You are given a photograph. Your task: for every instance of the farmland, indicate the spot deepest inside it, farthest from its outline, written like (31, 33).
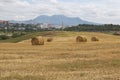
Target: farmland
(62, 59)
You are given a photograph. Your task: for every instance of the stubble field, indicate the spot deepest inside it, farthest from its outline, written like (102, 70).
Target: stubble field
(62, 59)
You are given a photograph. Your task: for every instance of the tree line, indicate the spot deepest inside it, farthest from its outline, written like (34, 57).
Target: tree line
(94, 28)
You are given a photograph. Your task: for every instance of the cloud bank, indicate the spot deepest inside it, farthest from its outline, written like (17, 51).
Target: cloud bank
(100, 11)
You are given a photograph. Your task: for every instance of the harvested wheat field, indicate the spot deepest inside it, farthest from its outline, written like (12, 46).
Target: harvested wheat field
(62, 59)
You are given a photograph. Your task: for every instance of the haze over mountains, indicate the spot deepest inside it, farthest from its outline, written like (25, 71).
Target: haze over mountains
(55, 19)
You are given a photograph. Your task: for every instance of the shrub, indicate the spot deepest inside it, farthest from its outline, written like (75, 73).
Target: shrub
(17, 35)
(23, 33)
(4, 37)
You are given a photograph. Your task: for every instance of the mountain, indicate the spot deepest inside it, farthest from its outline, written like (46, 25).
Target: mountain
(56, 19)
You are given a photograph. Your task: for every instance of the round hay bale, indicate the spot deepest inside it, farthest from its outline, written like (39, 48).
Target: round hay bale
(41, 41)
(94, 39)
(50, 39)
(35, 41)
(81, 39)
(84, 39)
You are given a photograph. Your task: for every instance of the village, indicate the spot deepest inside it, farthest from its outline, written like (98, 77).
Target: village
(7, 25)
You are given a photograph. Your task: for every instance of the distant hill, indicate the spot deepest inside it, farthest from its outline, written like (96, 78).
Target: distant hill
(56, 19)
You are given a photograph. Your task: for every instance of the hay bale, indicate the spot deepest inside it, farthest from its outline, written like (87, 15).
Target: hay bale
(41, 41)
(94, 39)
(84, 39)
(36, 41)
(81, 39)
(50, 39)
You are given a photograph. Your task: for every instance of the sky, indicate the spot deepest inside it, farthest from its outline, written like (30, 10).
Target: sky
(100, 11)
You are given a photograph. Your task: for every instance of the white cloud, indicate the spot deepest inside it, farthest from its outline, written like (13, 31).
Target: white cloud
(104, 11)
(54, 1)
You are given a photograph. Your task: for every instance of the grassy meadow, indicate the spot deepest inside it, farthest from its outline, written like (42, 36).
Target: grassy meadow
(61, 59)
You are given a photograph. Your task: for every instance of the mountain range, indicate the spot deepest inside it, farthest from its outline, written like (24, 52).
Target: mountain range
(55, 19)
